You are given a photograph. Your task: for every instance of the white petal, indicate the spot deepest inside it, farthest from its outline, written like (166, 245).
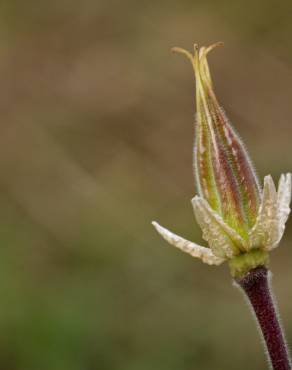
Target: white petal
(266, 232)
(223, 240)
(284, 199)
(195, 250)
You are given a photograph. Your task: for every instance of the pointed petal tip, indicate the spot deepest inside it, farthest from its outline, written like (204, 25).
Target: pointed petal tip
(269, 176)
(165, 233)
(288, 177)
(285, 177)
(158, 228)
(285, 181)
(269, 186)
(268, 179)
(196, 199)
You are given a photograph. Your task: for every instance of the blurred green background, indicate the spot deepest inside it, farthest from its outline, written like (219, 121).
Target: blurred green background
(96, 141)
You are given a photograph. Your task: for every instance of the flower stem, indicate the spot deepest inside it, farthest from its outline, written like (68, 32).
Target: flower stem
(256, 287)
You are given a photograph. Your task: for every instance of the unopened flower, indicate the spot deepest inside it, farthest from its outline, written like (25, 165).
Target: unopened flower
(240, 220)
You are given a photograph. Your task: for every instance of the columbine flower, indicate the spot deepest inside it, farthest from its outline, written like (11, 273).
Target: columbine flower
(240, 220)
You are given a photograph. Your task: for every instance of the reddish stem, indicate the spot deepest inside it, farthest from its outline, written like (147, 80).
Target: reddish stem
(255, 285)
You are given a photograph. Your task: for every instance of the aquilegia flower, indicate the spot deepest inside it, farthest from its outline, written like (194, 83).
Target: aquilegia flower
(240, 220)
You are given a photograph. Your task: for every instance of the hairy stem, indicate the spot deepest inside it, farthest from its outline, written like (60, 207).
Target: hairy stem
(255, 285)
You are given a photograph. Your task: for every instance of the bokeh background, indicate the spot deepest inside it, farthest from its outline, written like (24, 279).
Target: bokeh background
(96, 141)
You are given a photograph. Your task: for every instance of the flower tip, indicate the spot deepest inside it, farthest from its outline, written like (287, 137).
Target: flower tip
(286, 178)
(174, 49)
(216, 44)
(183, 51)
(157, 226)
(179, 50)
(195, 200)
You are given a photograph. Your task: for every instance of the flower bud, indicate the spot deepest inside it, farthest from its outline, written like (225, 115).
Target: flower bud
(240, 221)
(224, 174)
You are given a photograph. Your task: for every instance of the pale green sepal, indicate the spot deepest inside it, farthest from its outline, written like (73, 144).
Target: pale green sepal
(284, 199)
(266, 231)
(243, 263)
(222, 239)
(195, 250)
